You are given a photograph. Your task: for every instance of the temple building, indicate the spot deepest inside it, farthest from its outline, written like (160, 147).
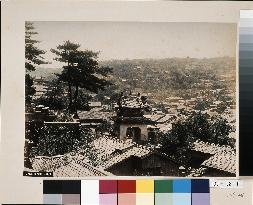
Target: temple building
(130, 121)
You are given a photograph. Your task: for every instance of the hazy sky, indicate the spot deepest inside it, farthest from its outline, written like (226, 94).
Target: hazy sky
(130, 40)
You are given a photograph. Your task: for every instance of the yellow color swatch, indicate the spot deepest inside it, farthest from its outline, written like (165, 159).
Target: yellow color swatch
(145, 199)
(144, 186)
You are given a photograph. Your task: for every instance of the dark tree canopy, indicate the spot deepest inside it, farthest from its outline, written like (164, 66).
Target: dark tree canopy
(54, 96)
(81, 71)
(29, 89)
(197, 126)
(33, 58)
(33, 54)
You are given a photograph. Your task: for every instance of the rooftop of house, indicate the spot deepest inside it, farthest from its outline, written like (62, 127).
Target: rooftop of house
(132, 101)
(68, 165)
(108, 151)
(79, 168)
(154, 117)
(212, 148)
(106, 145)
(225, 162)
(223, 157)
(112, 151)
(133, 151)
(135, 120)
(94, 114)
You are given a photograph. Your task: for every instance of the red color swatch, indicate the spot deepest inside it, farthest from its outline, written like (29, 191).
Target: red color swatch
(127, 199)
(126, 186)
(107, 186)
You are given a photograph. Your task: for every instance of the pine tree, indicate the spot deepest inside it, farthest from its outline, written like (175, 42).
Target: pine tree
(81, 71)
(33, 57)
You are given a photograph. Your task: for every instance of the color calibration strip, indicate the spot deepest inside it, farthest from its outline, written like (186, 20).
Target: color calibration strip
(61, 192)
(245, 90)
(127, 192)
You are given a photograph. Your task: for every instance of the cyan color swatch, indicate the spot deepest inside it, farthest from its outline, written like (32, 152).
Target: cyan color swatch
(182, 186)
(181, 199)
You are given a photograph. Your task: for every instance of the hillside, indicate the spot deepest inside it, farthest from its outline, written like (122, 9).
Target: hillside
(164, 77)
(47, 73)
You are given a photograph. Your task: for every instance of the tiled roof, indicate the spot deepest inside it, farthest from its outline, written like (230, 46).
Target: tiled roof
(160, 118)
(44, 163)
(223, 161)
(208, 148)
(113, 151)
(166, 118)
(132, 104)
(139, 120)
(224, 157)
(134, 151)
(94, 114)
(107, 145)
(78, 168)
(154, 117)
(67, 166)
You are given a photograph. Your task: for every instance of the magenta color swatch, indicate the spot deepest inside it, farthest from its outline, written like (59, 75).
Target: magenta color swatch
(108, 199)
(108, 186)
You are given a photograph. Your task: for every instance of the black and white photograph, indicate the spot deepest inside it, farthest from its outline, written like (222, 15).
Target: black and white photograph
(130, 98)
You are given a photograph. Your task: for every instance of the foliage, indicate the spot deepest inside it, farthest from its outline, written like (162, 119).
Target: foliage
(33, 57)
(29, 89)
(181, 79)
(58, 139)
(220, 130)
(201, 105)
(200, 126)
(81, 71)
(54, 96)
(109, 95)
(197, 126)
(221, 107)
(83, 100)
(64, 116)
(105, 126)
(56, 99)
(33, 130)
(33, 54)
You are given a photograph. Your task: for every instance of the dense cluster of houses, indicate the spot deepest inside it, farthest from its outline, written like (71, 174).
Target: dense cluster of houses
(130, 146)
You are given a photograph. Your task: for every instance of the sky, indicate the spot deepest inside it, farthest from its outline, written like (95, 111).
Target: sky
(139, 40)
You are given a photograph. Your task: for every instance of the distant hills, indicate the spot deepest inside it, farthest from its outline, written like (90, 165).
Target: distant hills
(160, 75)
(47, 73)
(219, 65)
(164, 77)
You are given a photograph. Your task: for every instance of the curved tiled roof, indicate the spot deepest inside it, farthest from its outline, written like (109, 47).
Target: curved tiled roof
(223, 157)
